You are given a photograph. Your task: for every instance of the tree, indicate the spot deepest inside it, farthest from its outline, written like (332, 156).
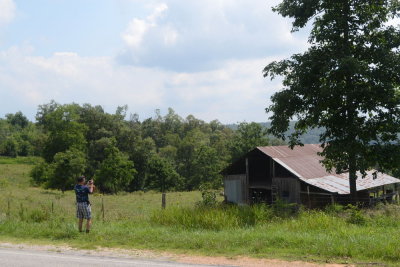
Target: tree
(140, 155)
(161, 175)
(9, 147)
(207, 165)
(17, 119)
(64, 131)
(67, 166)
(347, 83)
(40, 173)
(247, 137)
(116, 172)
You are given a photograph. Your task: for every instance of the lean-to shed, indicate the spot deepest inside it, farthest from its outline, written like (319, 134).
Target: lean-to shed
(266, 174)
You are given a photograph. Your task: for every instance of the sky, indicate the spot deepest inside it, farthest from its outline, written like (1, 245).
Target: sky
(203, 58)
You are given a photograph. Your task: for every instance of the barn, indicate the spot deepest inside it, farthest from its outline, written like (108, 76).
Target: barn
(266, 174)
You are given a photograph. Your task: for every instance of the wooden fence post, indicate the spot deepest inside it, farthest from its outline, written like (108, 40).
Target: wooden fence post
(8, 208)
(102, 208)
(163, 201)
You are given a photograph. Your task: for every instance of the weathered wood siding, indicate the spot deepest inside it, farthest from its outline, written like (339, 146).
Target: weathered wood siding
(288, 188)
(235, 188)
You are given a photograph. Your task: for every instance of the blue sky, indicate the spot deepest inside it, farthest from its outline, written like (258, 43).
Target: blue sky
(199, 57)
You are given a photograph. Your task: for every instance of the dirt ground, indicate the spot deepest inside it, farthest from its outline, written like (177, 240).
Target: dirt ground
(164, 256)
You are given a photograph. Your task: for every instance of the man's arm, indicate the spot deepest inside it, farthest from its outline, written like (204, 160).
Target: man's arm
(91, 186)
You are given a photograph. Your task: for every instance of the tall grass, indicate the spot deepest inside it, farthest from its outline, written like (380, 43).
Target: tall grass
(215, 218)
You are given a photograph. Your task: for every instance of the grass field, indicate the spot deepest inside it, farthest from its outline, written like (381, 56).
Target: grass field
(137, 221)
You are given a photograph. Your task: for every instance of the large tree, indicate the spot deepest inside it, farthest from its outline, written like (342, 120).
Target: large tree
(347, 82)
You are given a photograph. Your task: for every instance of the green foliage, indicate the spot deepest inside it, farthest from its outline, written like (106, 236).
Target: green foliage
(9, 147)
(208, 195)
(115, 172)
(18, 119)
(162, 176)
(40, 173)
(247, 137)
(64, 131)
(356, 215)
(346, 83)
(67, 166)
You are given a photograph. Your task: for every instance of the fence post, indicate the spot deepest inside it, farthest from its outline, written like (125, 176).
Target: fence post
(52, 206)
(163, 200)
(8, 207)
(102, 208)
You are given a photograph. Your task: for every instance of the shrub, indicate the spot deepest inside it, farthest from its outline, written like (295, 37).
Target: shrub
(209, 196)
(356, 215)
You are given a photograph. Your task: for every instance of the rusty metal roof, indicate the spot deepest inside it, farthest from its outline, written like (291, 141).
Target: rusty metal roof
(304, 162)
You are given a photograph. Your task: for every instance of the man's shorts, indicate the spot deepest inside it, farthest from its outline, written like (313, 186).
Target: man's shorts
(83, 210)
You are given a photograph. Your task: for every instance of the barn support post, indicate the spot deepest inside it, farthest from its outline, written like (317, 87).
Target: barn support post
(246, 195)
(332, 199)
(384, 194)
(308, 195)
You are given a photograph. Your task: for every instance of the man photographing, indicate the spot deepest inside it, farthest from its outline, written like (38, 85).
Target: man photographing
(83, 208)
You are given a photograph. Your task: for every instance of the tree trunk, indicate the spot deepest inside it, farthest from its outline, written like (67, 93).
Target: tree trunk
(353, 178)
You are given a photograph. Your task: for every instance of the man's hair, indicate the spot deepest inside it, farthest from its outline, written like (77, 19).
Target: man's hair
(80, 179)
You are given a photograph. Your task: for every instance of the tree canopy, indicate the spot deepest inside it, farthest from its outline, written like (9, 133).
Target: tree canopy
(346, 83)
(165, 152)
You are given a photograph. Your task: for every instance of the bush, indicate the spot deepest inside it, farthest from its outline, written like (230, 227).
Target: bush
(39, 174)
(209, 196)
(356, 215)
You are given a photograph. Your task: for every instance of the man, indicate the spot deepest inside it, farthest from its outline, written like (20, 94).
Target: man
(83, 208)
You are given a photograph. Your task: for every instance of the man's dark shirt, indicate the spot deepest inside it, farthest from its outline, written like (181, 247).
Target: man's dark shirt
(82, 193)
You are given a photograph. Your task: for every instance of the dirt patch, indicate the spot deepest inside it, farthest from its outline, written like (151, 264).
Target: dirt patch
(250, 262)
(166, 256)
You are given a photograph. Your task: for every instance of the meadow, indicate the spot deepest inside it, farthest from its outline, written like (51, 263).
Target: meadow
(136, 220)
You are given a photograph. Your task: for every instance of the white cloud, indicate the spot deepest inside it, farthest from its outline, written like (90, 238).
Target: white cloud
(7, 11)
(202, 35)
(137, 28)
(235, 92)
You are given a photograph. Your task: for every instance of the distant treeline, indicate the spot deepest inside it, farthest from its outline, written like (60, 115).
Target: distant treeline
(311, 137)
(123, 153)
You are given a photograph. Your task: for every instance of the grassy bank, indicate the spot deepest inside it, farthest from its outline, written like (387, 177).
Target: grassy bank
(136, 221)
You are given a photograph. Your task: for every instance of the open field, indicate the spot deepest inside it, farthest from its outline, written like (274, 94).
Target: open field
(136, 221)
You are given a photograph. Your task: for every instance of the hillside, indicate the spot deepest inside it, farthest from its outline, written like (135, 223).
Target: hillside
(311, 137)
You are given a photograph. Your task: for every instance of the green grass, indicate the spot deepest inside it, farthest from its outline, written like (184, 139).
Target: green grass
(137, 221)
(19, 160)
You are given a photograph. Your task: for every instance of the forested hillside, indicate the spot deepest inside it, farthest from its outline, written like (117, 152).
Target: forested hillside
(311, 137)
(164, 152)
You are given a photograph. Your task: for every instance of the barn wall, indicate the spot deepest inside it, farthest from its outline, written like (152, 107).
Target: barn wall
(288, 188)
(234, 188)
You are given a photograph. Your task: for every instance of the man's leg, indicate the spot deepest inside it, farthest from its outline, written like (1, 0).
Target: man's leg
(80, 224)
(88, 224)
